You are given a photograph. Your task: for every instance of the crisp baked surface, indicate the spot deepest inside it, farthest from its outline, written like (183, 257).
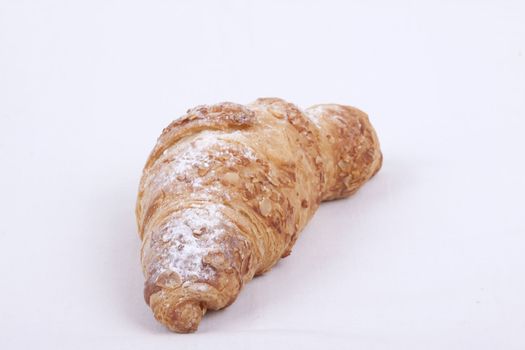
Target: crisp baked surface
(227, 190)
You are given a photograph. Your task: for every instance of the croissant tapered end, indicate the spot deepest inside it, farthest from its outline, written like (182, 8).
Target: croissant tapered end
(178, 315)
(350, 145)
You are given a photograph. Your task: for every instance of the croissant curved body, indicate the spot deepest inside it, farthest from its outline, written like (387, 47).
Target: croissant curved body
(227, 190)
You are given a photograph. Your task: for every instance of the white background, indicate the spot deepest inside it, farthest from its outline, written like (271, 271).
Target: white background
(429, 255)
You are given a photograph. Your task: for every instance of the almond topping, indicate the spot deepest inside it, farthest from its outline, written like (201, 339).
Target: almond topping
(216, 260)
(348, 181)
(343, 165)
(275, 113)
(169, 280)
(199, 231)
(230, 178)
(265, 206)
(202, 171)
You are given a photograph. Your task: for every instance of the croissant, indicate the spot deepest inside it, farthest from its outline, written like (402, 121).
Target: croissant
(228, 188)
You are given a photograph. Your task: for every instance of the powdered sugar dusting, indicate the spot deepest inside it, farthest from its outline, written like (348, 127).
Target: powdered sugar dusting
(313, 113)
(189, 168)
(186, 239)
(185, 160)
(190, 249)
(188, 160)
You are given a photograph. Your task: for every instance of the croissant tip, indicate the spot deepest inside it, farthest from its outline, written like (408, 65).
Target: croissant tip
(180, 317)
(185, 317)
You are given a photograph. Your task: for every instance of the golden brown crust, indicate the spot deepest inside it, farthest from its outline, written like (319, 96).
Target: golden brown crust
(227, 190)
(350, 145)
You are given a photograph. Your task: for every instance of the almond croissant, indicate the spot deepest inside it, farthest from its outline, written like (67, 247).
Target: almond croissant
(227, 190)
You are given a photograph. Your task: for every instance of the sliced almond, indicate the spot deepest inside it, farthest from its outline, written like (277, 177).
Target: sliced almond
(343, 165)
(348, 181)
(230, 178)
(275, 113)
(199, 232)
(202, 171)
(169, 279)
(250, 187)
(217, 260)
(265, 206)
